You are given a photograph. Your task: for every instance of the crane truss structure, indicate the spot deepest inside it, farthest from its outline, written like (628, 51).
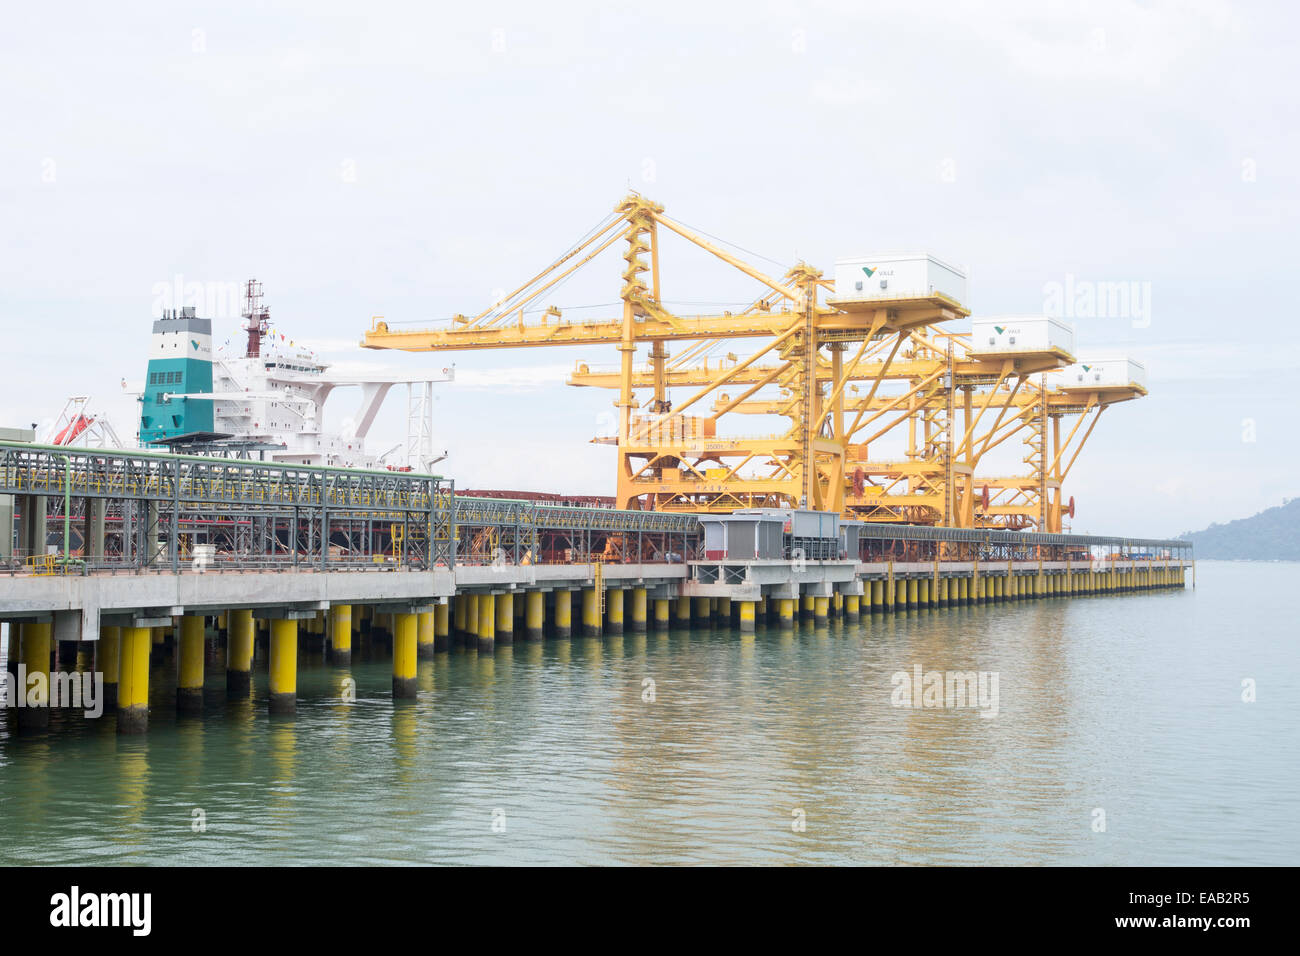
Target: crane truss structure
(843, 375)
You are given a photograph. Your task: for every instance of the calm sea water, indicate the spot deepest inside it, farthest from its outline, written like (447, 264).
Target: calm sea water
(550, 753)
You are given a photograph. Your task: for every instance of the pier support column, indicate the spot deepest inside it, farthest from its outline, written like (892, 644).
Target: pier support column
(878, 596)
(913, 594)
(461, 616)
(284, 666)
(590, 613)
(108, 653)
(746, 617)
(821, 607)
(807, 606)
(133, 680)
(785, 612)
(703, 612)
(239, 653)
(406, 636)
(534, 615)
(852, 606)
(923, 589)
(441, 627)
(189, 685)
(638, 610)
(473, 606)
(424, 634)
(486, 623)
(35, 656)
(563, 613)
(614, 611)
(341, 634)
(505, 622)
(683, 612)
(724, 610)
(663, 613)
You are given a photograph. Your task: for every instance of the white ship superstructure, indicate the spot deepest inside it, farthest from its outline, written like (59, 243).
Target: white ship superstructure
(270, 395)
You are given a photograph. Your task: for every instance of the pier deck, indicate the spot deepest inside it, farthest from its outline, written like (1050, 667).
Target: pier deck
(178, 551)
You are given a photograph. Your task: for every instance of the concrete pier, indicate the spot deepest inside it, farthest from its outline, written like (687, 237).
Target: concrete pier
(140, 593)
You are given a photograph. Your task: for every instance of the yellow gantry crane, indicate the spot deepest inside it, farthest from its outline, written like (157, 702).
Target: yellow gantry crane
(849, 371)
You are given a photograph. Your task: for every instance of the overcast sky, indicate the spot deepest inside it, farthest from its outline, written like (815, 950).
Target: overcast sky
(407, 160)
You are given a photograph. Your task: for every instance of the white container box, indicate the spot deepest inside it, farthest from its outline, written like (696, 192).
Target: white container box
(1100, 373)
(1021, 333)
(898, 277)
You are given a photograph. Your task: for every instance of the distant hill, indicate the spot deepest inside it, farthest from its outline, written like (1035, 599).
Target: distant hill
(1271, 535)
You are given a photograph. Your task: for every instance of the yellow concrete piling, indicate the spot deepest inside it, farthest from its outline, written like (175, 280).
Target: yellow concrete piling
(637, 610)
(923, 592)
(461, 617)
(406, 639)
(723, 611)
(486, 623)
(284, 666)
(442, 626)
(821, 607)
(663, 613)
(35, 657)
(683, 612)
(746, 615)
(133, 680)
(913, 593)
(703, 612)
(473, 605)
(785, 612)
(239, 653)
(563, 613)
(878, 596)
(189, 685)
(614, 611)
(505, 623)
(590, 613)
(341, 633)
(424, 638)
(108, 650)
(807, 606)
(852, 606)
(534, 615)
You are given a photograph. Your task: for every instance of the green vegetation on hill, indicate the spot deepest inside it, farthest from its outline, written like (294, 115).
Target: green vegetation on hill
(1271, 535)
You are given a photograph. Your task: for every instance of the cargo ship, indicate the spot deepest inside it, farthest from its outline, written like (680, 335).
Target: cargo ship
(265, 398)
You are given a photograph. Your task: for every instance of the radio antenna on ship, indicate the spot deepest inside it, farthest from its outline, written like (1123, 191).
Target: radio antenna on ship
(257, 316)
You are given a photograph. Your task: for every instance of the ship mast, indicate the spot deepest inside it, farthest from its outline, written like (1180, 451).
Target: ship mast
(258, 318)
